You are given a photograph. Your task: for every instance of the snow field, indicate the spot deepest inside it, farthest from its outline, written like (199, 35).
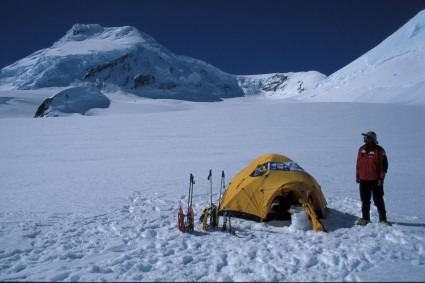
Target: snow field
(96, 198)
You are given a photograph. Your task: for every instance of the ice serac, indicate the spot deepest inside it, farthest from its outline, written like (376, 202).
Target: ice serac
(73, 100)
(120, 58)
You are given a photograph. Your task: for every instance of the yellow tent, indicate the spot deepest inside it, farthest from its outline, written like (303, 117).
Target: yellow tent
(267, 188)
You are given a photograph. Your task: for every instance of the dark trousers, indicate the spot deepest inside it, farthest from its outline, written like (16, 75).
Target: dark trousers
(367, 189)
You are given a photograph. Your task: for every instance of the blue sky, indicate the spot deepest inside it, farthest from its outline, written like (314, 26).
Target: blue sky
(239, 37)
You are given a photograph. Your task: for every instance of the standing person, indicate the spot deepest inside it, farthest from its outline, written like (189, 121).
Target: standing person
(372, 165)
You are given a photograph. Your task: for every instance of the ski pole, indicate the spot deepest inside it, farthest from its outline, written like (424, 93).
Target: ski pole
(192, 181)
(221, 187)
(209, 178)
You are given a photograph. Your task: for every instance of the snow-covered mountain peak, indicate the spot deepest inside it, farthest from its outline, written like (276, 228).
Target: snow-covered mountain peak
(124, 58)
(80, 32)
(93, 38)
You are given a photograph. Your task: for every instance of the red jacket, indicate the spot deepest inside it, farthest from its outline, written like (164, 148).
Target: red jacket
(372, 163)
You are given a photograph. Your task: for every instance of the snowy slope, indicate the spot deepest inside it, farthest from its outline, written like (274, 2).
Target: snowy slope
(122, 58)
(392, 72)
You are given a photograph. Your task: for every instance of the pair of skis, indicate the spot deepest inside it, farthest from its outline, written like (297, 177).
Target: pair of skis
(187, 222)
(227, 223)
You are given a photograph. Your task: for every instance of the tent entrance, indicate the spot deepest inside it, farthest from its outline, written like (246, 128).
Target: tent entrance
(279, 209)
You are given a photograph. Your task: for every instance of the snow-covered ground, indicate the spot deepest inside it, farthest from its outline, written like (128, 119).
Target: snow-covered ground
(95, 198)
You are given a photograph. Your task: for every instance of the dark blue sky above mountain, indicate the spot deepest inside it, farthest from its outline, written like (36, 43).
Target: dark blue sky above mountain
(237, 36)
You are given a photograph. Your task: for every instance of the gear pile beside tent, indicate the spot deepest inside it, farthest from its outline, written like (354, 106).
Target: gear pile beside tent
(271, 187)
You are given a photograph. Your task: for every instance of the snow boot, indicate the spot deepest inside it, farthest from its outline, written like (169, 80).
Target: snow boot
(384, 223)
(362, 222)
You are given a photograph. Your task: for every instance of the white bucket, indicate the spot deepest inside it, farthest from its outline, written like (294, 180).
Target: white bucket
(299, 219)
